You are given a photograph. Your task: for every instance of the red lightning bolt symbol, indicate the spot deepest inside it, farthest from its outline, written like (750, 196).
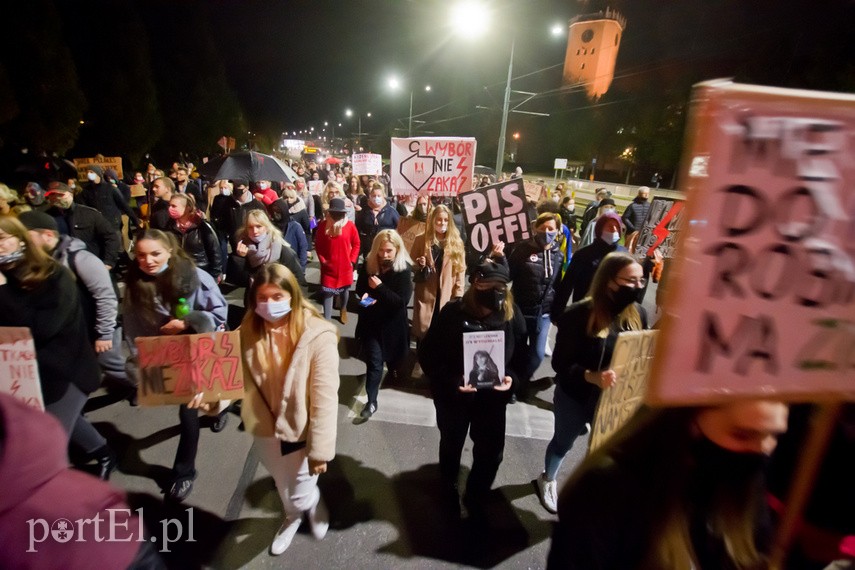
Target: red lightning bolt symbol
(461, 167)
(661, 230)
(15, 387)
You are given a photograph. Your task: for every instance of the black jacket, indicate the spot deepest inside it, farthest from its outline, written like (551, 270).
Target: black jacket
(159, 219)
(54, 315)
(228, 215)
(194, 187)
(441, 351)
(535, 273)
(577, 279)
(368, 224)
(386, 320)
(107, 199)
(635, 214)
(87, 224)
(575, 351)
(201, 243)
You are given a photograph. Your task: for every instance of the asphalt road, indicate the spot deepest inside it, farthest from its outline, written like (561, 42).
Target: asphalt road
(387, 510)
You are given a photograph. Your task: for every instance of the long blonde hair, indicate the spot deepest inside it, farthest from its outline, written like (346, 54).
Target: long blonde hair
(453, 247)
(261, 218)
(402, 258)
(301, 308)
(599, 296)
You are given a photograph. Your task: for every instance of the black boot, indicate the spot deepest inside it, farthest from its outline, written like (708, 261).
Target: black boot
(107, 462)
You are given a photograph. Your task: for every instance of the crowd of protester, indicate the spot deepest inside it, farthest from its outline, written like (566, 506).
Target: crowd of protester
(90, 266)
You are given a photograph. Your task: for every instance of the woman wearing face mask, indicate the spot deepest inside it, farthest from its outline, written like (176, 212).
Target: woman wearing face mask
(290, 407)
(567, 209)
(384, 287)
(586, 337)
(439, 269)
(161, 285)
(460, 409)
(37, 293)
(376, 217)
(297, 210)
(577, 279)
(337, 246)
(535, 270)
(260, 243)
(264, 193)
(673, 488)
(195, 235)
(607, 206)
(332, 190)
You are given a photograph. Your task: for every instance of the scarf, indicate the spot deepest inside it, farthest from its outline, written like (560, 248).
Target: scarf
(265, 251)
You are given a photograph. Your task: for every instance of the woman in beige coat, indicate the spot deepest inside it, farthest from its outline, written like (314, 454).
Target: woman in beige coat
(439, 270)
(290, 360)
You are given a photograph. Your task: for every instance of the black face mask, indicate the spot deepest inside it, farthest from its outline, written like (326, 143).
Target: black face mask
(386, 263)
(717, 467)
(623, 297)
(491, 298)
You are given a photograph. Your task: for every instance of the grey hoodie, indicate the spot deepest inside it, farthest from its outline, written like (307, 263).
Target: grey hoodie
(89, 270)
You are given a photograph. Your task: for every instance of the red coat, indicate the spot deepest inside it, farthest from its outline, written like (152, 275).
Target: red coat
(337, 255)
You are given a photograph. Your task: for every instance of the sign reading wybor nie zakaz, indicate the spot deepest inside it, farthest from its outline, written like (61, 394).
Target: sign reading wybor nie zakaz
(495, 213)
(435, 165)
(761, 301)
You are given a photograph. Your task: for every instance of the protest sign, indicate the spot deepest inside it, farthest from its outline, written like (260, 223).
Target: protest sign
(484, 359)
(19, 371)
(436, 165)
(175, 368)
(367, 164)
(661, 229)
(761, 294)
(104, 162)
(631, 361)
(409, 229)
(316, 186)
(534, 191)
(495, 213)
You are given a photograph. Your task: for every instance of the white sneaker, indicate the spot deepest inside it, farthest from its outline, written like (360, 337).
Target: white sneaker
(547, 349)
(319, 519)
(285, 535)
(548, 493)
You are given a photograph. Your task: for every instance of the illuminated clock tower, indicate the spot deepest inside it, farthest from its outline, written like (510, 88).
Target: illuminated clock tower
(592, 48)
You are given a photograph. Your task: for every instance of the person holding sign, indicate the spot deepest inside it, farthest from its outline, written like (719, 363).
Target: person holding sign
(439, 270)
(535, 267)
(673, 488)
(462, 408)
(587, 333)
(38, 293)
(290, 357)
(384, 287)
(167, 294)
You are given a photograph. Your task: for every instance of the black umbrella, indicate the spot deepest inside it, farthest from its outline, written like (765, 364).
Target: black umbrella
(43, 169)
(480, 170)
(247, 165)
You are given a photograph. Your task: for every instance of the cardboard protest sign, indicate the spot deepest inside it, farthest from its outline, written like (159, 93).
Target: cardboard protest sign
(19, 371)
(761, 295)
(495, 213)
(631, 361)
(661, 229)
(409, 229)
(534, 191)
(368, 164)
(484, 359)
(175, 368)
(316, 186)
(436, 165)
(104, 162)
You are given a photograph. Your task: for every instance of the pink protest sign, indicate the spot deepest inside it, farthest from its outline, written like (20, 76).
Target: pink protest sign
(436, 165)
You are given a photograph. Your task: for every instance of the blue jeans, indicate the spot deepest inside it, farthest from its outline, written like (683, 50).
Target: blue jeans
(537, 331)
(570, 418)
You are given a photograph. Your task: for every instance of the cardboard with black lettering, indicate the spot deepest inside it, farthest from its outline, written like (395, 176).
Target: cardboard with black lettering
(631, 361)
(495, 213)
(761, 295)
(173, 369)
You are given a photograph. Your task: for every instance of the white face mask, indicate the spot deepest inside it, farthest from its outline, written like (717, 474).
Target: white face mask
(91, 176)
(610, 237)
(272, 311)
(378, 200)
(441, 228)
(226, 191)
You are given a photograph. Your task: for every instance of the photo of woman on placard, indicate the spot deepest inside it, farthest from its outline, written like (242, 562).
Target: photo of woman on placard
(484, 371)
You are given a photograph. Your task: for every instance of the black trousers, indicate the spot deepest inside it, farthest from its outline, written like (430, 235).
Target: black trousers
(188, 444)
(482, 416)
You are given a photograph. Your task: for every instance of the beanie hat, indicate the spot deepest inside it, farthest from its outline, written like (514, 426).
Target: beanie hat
(35, 220)
(489, 270)
(601, 222)
(96, 169)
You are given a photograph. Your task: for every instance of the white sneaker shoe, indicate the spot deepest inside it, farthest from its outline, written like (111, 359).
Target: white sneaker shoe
(319, 519)
(548, 492)
(285, 535)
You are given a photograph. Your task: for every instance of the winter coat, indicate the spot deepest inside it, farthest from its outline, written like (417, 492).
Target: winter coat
(369, 224)
(107, 199)
(296, 238)
(88, 225)
(386, 320)
(579, 275)
(300, 215)
(432, 283)
(338, 255)
(635, 214)
(308, 409)
(535, 273)
(54, 315)
(200, 242)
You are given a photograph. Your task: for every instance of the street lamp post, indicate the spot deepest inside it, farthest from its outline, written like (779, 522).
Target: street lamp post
(500, 155)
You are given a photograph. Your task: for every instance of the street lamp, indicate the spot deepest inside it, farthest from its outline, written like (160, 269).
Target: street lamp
(394, 85)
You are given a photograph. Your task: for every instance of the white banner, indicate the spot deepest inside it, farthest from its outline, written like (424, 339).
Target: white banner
(367, 164)
(436, 165)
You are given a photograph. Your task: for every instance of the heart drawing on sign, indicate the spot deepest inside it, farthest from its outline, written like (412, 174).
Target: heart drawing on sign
(417, 169)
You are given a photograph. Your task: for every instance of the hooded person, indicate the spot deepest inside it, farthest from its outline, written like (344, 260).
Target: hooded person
(606, 205)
